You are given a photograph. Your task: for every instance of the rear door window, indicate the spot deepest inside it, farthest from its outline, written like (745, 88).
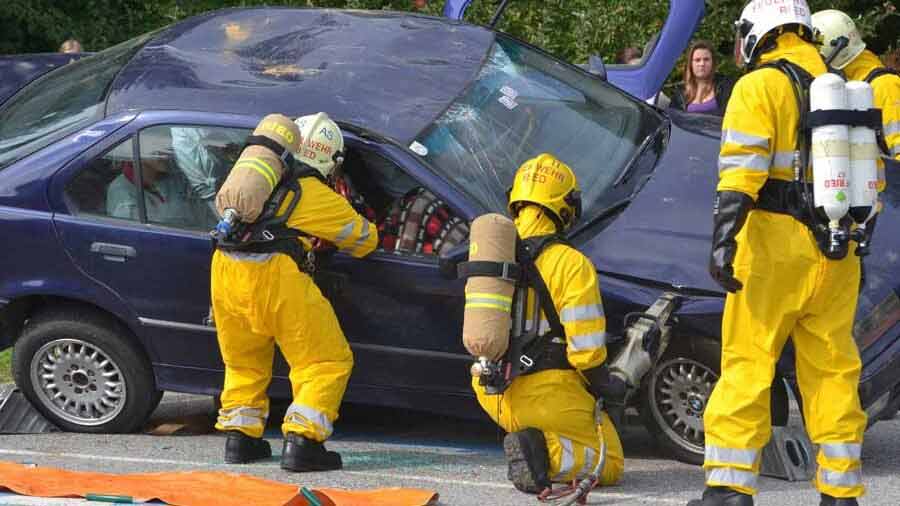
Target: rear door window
(173, 182)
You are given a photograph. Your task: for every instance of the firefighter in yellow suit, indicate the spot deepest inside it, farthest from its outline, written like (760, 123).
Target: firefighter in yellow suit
(779, 282)
(550, 414)
(263, 299)
(860, 64)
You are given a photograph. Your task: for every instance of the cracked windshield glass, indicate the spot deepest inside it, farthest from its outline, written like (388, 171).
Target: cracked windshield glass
(522, 103)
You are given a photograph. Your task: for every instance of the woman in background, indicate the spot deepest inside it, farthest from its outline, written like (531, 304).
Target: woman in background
(705, 91)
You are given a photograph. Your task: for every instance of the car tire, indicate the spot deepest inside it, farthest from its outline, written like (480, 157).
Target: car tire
(58, 363)
(704, 356)
(674, 395)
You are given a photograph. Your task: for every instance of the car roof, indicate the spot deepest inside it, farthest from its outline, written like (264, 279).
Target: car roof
(20, 69)
(388, 72)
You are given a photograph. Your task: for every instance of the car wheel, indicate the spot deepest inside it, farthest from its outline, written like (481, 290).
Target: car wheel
(676, 392)
(84, 372)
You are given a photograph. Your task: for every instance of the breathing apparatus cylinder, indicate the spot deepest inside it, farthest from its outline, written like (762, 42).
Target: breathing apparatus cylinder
(487, 320)
(863, 156)
(257, 171)
(831, 156)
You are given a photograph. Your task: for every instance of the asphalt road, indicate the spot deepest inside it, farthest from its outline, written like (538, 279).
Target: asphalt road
(462, 461)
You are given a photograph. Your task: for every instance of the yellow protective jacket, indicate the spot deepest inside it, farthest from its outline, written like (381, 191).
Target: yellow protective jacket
(324, 214)
(887, 98)
(759, 132)
(572, 282)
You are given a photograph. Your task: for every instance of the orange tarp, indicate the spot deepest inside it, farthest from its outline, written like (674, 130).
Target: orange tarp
(194, 488)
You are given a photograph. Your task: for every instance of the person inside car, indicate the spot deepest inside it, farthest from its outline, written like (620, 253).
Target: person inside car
(167, 197)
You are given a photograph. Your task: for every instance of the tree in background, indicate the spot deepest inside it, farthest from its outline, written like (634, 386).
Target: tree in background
(570, 29)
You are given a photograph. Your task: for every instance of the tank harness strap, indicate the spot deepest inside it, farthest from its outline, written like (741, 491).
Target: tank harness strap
(287, 159)
(544, 351)
(503, 270)
(879, 129)
(880, 71)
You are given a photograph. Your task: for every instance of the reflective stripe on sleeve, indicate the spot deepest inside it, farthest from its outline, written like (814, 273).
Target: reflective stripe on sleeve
(735, 137)
(892, 128)
(756, 163)
(345, 232)
(587, 341)
(581, 313)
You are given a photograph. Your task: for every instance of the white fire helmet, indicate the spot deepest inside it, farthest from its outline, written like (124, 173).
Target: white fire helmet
(830, 26)
(760, 17)
(322, 143)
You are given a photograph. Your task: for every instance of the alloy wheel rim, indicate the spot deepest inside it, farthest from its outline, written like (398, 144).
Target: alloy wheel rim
(680, 391)
(78, 382)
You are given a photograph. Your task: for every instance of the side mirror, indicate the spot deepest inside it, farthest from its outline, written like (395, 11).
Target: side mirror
(448, 262)
(595, 66)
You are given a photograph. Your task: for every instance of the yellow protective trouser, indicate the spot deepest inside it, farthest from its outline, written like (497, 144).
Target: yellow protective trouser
(790, 290)
(260, 300)
(557, 403)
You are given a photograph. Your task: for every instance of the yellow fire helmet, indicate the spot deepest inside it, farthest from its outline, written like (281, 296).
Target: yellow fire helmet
(549, 183)
(323, 143)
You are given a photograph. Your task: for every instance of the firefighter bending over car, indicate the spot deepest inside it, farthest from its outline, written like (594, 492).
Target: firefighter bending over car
(275, 200)
(557, 347)
(789, 215)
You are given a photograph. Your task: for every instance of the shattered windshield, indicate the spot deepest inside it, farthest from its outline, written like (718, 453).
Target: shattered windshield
(523, 103)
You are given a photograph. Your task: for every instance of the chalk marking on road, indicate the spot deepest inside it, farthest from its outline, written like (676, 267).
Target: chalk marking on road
(432, 479)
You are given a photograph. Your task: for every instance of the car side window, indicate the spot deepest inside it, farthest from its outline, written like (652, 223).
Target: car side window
(112, 172)
(182, 168)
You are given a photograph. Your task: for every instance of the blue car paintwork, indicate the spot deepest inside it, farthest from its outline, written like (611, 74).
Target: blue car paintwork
(401, 317)
(645, 80)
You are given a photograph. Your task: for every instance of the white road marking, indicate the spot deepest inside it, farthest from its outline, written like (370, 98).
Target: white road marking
(431, 479)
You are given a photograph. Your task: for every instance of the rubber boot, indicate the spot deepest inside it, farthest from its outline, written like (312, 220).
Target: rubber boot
(528, 460)
(722, 496)
(241, 448)
(827, 500)
(302, 455)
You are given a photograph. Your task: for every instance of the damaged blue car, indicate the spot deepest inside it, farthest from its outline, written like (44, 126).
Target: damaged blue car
(104, 281)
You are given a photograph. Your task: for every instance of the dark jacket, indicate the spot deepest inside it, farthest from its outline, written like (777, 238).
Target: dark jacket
(722, 85)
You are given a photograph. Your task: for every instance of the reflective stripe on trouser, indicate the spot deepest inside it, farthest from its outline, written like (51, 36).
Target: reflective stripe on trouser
(259, 304)
(790, 289)
(557, 403)
(242, 418)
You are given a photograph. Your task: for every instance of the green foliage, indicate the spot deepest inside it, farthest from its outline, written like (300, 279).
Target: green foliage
(6, 366)
(571, 29)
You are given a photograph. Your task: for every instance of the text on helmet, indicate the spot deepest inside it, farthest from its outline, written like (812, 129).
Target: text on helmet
(784, 7)
(279, 130)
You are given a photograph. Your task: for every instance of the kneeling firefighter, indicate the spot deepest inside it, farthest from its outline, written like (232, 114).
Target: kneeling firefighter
(273, 203)
(781, 250)
(554, 357)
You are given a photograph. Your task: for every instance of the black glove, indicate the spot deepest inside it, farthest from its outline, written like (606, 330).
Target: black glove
(609, 388)
(729, 217)
(865, 242)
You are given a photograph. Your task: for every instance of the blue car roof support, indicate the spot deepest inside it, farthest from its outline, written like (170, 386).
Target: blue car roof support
(646, 80)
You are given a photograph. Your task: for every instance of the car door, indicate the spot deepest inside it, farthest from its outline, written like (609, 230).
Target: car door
(139, 214)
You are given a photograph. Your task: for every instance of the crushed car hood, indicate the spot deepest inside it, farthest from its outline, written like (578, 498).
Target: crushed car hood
(664, 235)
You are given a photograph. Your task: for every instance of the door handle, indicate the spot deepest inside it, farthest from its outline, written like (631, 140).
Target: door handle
(113, 252)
